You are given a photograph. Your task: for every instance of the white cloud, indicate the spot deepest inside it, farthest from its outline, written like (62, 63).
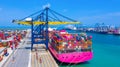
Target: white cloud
(47, 5)
(113, 14)
(102, 16)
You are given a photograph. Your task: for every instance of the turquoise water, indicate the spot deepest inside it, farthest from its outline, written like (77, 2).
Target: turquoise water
(106, 49)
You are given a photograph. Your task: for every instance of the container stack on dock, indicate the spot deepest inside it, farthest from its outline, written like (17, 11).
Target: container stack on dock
(10, 39)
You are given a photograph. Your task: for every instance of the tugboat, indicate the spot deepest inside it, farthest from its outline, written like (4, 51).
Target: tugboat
(70, 48)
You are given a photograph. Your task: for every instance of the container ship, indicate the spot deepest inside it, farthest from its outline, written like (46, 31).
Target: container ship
(70, 48)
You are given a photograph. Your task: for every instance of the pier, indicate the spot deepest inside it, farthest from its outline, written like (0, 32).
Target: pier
(42, 58)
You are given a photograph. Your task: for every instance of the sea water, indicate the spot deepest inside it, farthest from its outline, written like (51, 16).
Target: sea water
(106, 52)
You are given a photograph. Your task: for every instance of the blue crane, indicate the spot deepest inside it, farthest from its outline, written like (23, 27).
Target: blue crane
(39, 22)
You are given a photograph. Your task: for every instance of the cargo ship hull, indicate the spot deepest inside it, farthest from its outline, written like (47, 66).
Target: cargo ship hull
(74, 57)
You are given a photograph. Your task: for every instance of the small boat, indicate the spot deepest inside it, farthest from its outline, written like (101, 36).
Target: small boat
(70, 48)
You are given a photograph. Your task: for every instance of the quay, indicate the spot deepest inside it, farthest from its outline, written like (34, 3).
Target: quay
(42, 58)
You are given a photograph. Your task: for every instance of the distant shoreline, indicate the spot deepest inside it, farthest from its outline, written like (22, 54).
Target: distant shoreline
(13, 27)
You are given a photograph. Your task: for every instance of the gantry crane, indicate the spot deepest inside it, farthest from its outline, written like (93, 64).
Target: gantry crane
(39, 22)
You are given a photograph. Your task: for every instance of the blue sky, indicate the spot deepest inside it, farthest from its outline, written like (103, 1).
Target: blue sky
(86, 11)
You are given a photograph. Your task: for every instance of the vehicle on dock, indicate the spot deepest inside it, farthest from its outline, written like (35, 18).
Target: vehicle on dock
(70, 48)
